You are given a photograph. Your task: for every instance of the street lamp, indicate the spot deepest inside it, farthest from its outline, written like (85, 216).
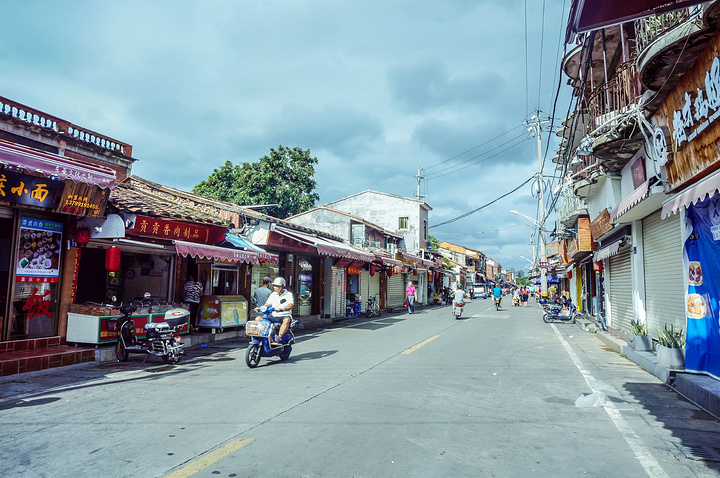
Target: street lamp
(543, 251)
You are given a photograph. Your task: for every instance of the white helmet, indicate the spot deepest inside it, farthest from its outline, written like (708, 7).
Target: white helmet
(279, 281)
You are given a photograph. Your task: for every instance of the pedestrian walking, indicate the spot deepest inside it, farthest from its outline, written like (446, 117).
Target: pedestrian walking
(193, 291)
(261, 294)
(411, 297)
(525, 296)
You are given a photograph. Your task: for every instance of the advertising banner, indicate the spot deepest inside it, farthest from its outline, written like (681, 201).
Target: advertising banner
(702, 259)
(39, 248)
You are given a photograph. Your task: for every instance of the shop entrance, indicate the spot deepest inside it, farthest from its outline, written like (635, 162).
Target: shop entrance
(6, 235)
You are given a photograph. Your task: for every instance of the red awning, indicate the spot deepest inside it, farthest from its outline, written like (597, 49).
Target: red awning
(325, 246)
(387, 261)
(357, 264)
(587, 15)
(631, 201)
(223, 253)
(707, 187)
(54, 165)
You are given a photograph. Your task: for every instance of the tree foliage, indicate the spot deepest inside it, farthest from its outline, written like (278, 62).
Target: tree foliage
(284, 177)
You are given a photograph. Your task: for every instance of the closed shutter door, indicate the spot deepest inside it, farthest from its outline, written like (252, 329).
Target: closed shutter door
(663, 262)
(621, 305)
(396, 290)
(337, 292)
(369, 287)
(375, 287)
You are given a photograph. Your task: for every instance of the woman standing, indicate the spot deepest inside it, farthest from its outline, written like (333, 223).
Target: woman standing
(411, 294)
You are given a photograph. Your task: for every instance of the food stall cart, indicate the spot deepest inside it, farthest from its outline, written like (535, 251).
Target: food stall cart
(222, 311)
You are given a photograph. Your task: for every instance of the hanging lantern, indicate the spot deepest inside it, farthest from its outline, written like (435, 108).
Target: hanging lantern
(112, 259)
(82, 236)
(389, 272)
(414, 272)
(569, 274)
(430, 276)
(372, 271)
(598, 266)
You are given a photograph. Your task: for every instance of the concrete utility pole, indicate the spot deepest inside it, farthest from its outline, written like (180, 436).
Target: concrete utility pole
(536, 122)
(419, 178)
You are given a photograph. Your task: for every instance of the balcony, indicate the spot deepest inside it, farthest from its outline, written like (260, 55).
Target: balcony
(571, 207)
(610, 100)
(668, 44)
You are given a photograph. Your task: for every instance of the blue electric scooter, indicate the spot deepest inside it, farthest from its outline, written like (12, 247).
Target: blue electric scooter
(261, 333)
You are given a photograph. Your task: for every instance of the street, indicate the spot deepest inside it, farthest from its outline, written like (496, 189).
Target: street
(492, 394)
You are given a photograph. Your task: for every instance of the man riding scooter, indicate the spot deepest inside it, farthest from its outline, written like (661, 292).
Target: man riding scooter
(281, 300)
(497, 295)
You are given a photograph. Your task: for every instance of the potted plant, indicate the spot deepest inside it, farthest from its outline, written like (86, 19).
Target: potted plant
(638, 338)
(671, 347)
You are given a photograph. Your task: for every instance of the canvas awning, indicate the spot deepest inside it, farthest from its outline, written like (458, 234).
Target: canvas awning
(54, 165)
(606, 252)
(631, 201)
(325, 246)
(707, 187)
(204, 251)
(387, 261)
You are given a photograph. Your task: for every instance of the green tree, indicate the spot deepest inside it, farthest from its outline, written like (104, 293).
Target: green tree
(434, 243)
(284, 177)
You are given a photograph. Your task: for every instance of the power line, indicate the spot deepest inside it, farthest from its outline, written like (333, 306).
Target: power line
(484, 206)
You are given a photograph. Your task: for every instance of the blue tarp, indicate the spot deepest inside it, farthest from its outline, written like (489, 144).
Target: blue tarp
(702, 261)
(238, 241)
(550, 280)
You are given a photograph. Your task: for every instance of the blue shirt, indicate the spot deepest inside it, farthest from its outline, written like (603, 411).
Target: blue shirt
(497, 292)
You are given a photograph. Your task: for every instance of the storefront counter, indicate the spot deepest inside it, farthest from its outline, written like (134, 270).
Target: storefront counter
(93, 329)
(222, 311)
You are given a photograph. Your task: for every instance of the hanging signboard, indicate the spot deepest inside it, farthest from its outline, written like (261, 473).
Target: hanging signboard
(39, 248)
(19, 188)
(82, 199)
(174, 230)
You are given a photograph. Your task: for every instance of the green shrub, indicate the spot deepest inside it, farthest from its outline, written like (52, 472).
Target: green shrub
(638, 328)
(672, 337)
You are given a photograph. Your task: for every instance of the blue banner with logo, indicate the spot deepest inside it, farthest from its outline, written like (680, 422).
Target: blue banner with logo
(702, 259)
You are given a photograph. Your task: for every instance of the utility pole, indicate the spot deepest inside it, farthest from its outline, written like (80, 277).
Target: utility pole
(537, 126)
(419, 178)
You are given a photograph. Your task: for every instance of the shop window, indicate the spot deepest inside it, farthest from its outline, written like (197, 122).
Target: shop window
(224, 280)
(304, 287)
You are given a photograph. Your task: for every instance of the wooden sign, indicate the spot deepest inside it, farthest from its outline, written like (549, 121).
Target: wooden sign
(601, 225)
(174, 230)
(82, 199)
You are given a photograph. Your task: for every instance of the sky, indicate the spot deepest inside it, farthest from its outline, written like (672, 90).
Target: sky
(374, 89)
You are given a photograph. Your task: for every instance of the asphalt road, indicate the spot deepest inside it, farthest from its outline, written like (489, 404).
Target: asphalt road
(493, 394)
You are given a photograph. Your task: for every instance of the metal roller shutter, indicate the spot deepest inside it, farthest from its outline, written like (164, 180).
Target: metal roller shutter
(663, 263)
(337, 292)
(621, 305)
(396, 290)
(369, 287)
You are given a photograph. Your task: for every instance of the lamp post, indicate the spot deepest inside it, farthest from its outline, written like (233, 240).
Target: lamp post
(543, 251)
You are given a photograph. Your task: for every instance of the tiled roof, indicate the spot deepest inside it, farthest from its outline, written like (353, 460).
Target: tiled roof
(126, 198)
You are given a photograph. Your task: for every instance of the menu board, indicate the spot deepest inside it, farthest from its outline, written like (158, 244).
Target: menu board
(39, 248)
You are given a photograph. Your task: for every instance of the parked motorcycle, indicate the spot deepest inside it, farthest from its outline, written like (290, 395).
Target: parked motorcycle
(458, 309)
(161, 339)
(556, 312)
(261, 333)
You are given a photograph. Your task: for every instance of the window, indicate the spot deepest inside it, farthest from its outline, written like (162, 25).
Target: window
(425, 236)
(403, 223)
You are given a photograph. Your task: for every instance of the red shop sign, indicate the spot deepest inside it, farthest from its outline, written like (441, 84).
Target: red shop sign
(175, 230)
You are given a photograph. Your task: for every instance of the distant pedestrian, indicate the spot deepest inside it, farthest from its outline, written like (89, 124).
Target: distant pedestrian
(193, 291)
(525, 296)
(261, 294)
(411, 294)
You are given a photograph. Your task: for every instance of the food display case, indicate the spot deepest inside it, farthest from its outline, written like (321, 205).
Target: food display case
(89, 324)
(222, 311)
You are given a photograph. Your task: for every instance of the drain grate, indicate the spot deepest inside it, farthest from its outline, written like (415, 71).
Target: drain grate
(700, 452)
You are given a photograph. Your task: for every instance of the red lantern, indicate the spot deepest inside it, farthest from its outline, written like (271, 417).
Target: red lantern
(112, 259)
(389, 272)
(82, 236)
(598, 266)
(569, 274)
(414, 272)
(372, 271)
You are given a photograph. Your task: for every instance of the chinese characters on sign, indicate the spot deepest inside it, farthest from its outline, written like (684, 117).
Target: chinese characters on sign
(39, 249)
(83, 200)
(18, 188)
(38, 304)
(684, 119)
(172, 230)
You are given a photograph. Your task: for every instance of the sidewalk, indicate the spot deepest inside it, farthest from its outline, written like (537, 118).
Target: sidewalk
(702, 390)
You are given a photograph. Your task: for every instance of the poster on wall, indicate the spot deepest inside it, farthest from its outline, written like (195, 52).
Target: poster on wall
(39, 248)
(702, 260)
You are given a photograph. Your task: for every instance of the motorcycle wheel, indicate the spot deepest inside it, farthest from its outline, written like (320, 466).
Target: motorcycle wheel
(546, 318)
(285, 353)
(368, 313)
(252, 356)
(121, 352)
(172, 358)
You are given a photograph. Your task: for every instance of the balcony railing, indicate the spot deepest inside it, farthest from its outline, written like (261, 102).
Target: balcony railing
(649, 28)
(46, 121)
(570, 205)
(615, 97)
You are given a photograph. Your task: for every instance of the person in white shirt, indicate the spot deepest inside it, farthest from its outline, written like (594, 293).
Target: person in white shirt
(281, 300)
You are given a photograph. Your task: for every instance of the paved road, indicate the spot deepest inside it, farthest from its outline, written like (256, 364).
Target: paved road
(493, 394)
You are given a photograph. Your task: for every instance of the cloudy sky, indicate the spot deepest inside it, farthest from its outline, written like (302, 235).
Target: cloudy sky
(375, 90)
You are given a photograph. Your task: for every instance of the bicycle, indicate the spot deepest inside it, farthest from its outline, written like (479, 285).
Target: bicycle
(601, 322)
(372, 307)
